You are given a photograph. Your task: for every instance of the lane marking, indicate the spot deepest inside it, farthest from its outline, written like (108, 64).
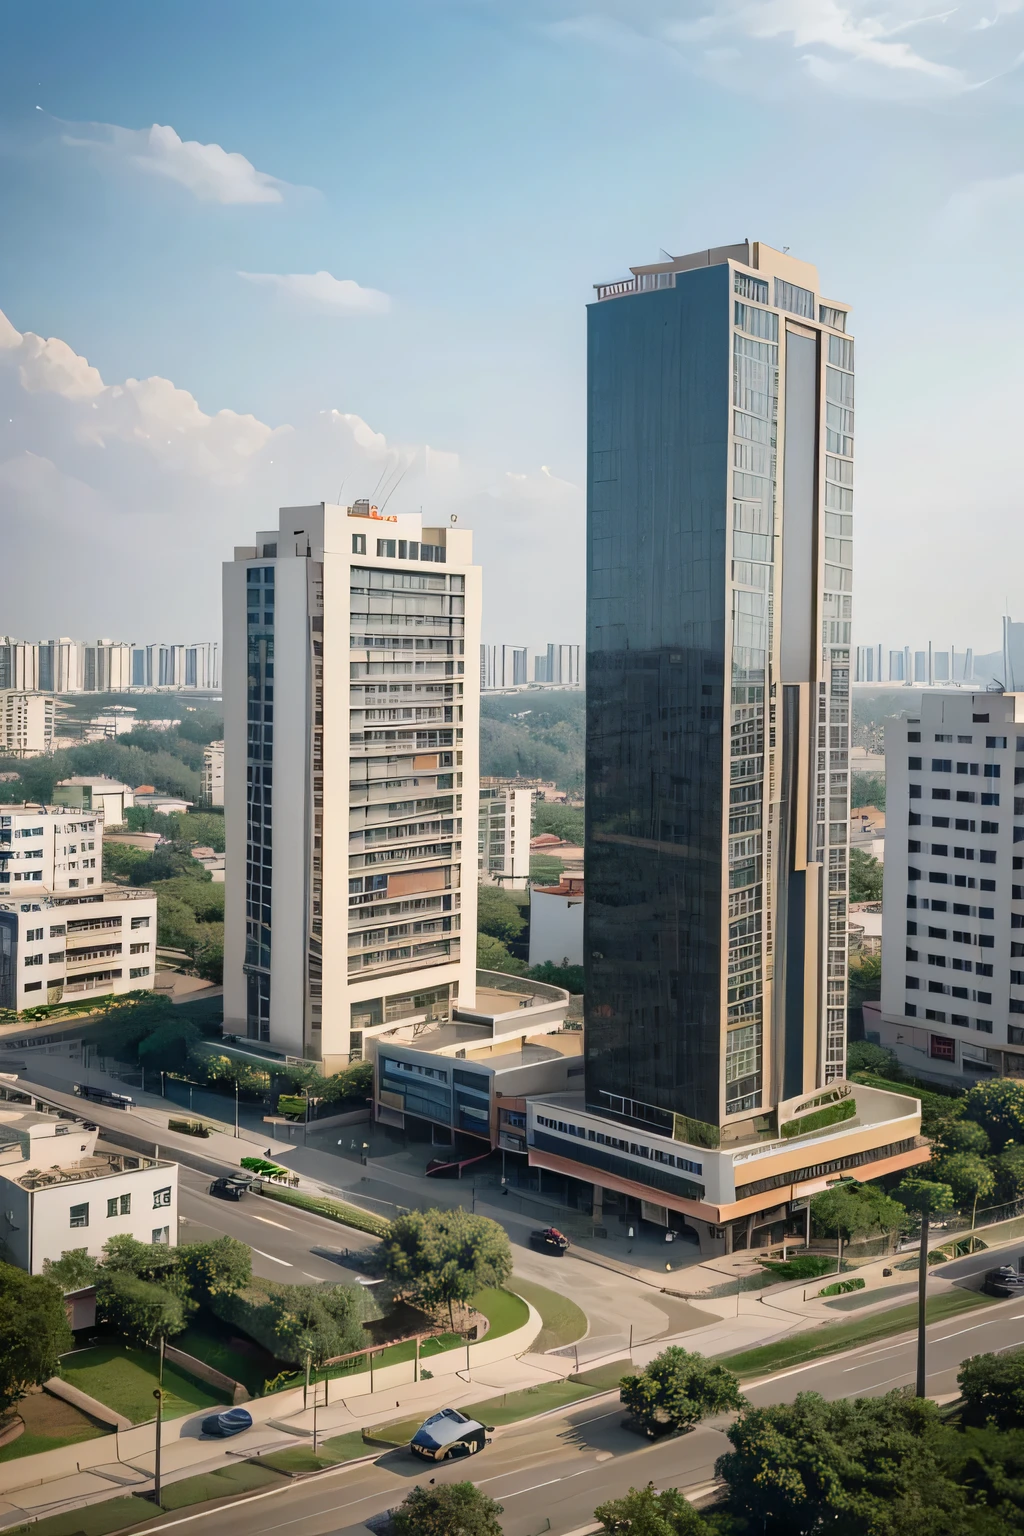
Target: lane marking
(904, 1376)
(268, 1223)
(972, 1329)
(550, 1482)
(273, 1257)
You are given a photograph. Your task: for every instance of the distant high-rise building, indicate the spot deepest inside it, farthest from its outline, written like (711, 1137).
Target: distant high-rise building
(721, 431)
(26, 724)
(211, 787)
(504, 842)
(351, 741)
(106, 666)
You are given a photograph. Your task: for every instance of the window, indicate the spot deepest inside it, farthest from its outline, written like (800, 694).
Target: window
(137, 922)
(939, 736)
(942, 1048)
(386, 549)
(829, 315)
(980, 719)
(995, 741)
(942, 765)
(939, 794)
(799, 301)
(32, 934)
(138, 970)
(161, 1197)
(913, 735)
(33, 959)
(161, 1235)
(914, 763)
(915, 792)
(33, 986)
(359, 543)
(751, 288)
(119, 1205)
(992, 770)
(969, 768)
(80, 1215)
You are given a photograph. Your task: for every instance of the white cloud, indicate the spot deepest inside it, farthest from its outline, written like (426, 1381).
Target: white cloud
(336, 295)
(141, 494)
(982, 204)
(210, 173)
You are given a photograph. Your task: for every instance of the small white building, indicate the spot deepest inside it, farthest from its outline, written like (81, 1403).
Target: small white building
(96, 793)
(503, 847)
(211, 790)
(556, 922)
(49, 848)
(26, 724)
(58, 1193)
(164, 804)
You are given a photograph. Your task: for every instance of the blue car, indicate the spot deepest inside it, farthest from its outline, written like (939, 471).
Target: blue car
(231, 1422)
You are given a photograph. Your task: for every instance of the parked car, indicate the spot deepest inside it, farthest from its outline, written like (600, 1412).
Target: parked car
(549, 1240)
(231, 1422)
(231, 1186)
(1004, 1281)
(448, 1434)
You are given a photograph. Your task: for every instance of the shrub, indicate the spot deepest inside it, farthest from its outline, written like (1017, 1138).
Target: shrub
(678, 1389)
(830, 1115)
(440, 1257)
(840, 1287)
(293, 1322)
(451, 1509)
(334, 1210)
(806, 1266)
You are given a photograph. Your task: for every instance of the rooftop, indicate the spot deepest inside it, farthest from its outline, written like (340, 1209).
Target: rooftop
(101, 1165)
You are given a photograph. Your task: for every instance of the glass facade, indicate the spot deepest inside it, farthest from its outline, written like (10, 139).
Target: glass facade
(718, 627)
(259, 797)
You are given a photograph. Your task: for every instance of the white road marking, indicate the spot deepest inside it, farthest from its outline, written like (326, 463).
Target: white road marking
(871, 1385)
(534, 1486)
(972, 1329)
(268, 1223)
(273, 1257)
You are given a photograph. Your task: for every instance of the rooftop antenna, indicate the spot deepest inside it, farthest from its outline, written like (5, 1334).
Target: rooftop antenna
(662, 251)
(341, 487)
(394, 488)
(785, 250)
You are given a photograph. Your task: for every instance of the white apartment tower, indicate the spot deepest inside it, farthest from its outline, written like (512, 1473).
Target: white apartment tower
(953, 958)
(351, 743)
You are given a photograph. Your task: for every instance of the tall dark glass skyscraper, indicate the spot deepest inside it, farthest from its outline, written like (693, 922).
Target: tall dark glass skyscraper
(719, 558)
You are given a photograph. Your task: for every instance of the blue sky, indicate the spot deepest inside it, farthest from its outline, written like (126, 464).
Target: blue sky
(475, 167)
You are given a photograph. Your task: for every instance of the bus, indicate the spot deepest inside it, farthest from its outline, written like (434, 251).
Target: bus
(104, 1096)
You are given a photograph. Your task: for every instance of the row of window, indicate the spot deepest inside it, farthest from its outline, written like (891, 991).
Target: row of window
(120, 1205)
(941, 851)
(913, 984)
(960, 908)
(963, 796)
(636, 1148)
(966, 741)
(945, 765)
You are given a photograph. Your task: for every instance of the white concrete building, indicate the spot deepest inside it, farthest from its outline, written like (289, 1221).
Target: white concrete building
(107, 666)
(503, 846)
(63, 932)
(556, 922)
(351, 749)
(211, 790)
(26, 724)
(58, 1193)
(94, 792)
(952, 1003)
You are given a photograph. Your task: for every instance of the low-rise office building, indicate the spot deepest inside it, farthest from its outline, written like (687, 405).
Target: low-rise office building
(107, 797)
(57, 1192)
(952, 1005)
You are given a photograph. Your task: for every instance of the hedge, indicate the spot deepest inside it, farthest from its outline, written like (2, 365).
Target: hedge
(840, 1287)
(347, 1215)
(821, 1117)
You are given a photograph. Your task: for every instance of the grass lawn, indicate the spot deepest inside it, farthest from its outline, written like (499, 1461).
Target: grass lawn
(243, 1477)
(211, 1342)
(513, 1406)
(121, 1514)
(93, 1520)
(839, 1336)
(329, 1453)
(604, 1377)
(504, 1311)
(564, 1322)
(49, 1423)
(124, 1379)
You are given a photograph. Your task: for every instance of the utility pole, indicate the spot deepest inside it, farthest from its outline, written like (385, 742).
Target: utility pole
(922, 1306)
(158, 1394)
(236, 1106)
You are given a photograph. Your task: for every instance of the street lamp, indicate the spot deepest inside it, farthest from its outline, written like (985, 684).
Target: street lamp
(158, 1394)
(236, 1106)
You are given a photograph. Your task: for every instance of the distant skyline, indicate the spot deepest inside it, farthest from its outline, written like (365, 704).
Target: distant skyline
(325, 237)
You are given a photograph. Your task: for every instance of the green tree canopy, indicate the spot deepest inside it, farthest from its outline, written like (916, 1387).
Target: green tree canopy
(140, 1310)
(298, 1322)
(962, 1136)
(868, 789)
(566, 821)
(868, 1467)
(645, 1512)
(925, 1196)
(34, 1331)
(865, 977)
(969, 1176)
(168, 1048)
(850, 1210)
(570, 977)
(440, 1257)
(73, 1271)
(126, 1255)
(865, 876)
(864, 1056)
(1008, 1168)
(498, 914)
(993, 1388)
(545, 870)
(679, 1389)
(215, 1268)
(998, 1107)
(450, 1509)
(492, 955)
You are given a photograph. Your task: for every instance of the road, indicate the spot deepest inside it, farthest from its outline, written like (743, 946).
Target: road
(558, 1469)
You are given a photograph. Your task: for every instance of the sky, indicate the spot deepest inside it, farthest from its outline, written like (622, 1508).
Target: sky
(257, 254)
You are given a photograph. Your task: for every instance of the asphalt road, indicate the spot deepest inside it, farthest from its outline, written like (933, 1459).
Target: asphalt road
(551, 1473)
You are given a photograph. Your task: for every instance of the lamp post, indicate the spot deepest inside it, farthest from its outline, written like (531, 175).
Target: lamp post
(236, 1106)
(922, 1308)
(158, 1394)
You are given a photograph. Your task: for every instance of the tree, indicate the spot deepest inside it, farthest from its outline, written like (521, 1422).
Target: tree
(645, 1512)
(215, 1268)
(157, 1262)
(865, 876)
(989, 1462)
(864, 1056)
(440, 1257)
(298, 1322)
(498, 915)
(450, 1509)
(34, 1331)
(962, 1136)
(570, 977)
(865, 977)
(868, 1467)
(168, 1048)
(678, 1389)
(968, 1176)
(868, 789)
(1008, 1168)
(998, 1107)
(566, 821)
(925, 1196)
(993, 1388)
(73, 1271)
(545, 870)
(491, 955)
(850, 1210)
(141, 1310)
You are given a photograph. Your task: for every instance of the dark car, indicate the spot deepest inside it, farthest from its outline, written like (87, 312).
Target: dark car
(231, 1186)
(231, 1422)
(1004, 1282)
(448, 1434)
(549, 1240)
